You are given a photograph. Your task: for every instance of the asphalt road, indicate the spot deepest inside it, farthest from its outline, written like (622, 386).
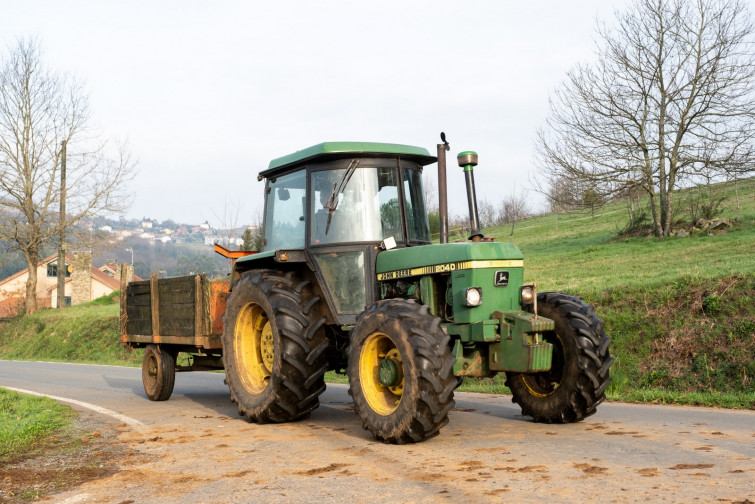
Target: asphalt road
(195, 448)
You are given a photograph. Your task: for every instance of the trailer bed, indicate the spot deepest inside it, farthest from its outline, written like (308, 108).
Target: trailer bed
(184, 312)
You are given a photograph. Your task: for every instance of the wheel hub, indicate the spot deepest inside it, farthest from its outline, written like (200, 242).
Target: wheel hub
(381, 372)
(389, 372)
(152, 366)
(267, 347)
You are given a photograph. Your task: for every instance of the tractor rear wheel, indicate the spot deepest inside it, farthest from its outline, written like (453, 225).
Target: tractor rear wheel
(577, 381)
(158, 372)
(401, 371)
(274, 346)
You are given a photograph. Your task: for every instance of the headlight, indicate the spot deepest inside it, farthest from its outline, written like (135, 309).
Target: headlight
(528, 294)
(474, 296)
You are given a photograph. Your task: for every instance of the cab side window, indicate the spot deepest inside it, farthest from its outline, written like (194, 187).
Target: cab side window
(284, 211)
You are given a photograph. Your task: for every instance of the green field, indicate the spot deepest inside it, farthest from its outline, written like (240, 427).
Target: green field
(680, 310)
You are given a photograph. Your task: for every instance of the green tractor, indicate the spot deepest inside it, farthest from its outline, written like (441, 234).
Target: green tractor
(348, 280)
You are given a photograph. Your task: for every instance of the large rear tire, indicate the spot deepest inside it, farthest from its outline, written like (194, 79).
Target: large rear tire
(158, 372)
(401, 372)
(577, 381)
(274, 347)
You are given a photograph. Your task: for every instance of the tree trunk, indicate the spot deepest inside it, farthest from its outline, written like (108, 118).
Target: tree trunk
(668, 213)
(32, 261)
(656, 220)
(664, 214)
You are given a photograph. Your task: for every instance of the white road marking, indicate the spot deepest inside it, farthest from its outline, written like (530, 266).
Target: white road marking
(123, 418)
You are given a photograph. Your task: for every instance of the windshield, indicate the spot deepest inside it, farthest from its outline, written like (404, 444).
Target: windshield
(353, 207)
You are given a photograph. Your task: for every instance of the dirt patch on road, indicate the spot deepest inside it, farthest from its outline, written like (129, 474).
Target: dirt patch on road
(89, 451)
(221, 458)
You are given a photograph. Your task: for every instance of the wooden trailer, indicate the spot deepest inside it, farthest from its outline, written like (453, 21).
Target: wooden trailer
(169, 316)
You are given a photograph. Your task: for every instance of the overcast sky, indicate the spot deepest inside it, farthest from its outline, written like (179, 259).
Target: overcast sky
(206, 93)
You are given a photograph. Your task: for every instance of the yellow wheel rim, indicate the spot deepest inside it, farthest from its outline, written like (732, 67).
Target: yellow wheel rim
(254, 348)
(382, 398)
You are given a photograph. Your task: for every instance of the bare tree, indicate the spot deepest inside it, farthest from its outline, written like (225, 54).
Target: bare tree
(486, 213)
(229, 222)
(431, 192)
(670, 95)
(40, 109)
(512, 208)
(459, 227)
(253, 234)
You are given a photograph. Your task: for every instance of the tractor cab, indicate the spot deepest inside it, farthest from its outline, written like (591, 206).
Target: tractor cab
(335, 205)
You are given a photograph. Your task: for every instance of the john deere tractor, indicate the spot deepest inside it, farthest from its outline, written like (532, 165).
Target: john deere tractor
(348, 280)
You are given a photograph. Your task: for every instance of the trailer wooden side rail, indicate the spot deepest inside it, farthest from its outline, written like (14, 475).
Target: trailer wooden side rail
(185, 311)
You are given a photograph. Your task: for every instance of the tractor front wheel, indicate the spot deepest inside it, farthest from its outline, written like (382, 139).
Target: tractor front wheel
(577, 380)
(401, 371)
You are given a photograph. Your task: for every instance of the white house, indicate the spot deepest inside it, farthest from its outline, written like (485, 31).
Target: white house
(83, 283)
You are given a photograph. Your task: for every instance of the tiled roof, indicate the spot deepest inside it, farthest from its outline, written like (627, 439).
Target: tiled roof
(11, 306)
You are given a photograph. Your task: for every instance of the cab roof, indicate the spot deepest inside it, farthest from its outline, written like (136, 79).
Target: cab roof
(336, 150)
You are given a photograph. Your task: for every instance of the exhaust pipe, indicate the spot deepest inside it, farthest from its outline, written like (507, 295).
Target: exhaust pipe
(468, 160)
(442, 191)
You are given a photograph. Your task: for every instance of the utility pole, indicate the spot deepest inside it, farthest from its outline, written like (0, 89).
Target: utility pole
(62, 239)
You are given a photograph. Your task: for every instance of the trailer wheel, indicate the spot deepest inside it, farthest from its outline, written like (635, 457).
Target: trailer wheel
(577, 381)
(274, 347)
(158, 372)
(401, 372)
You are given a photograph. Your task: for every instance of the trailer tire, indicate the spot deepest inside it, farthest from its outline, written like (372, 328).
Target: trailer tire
(158, 372)
(274, 346)
(576, 384)
(408, 399)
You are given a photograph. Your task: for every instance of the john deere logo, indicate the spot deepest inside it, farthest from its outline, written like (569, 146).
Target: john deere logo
(501, 278)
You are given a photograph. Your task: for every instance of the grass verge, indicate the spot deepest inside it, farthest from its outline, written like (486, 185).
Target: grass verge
(25, 420)
(46, 448)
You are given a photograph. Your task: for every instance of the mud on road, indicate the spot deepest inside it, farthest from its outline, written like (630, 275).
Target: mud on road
(207, 456)
(90, 450)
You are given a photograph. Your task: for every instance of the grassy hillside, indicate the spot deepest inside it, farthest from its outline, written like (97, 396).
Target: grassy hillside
(574, 251)
(680, 311)
(87, 333)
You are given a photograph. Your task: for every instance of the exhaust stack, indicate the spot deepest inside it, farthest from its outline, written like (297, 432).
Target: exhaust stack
(442, 191)
(468, 160)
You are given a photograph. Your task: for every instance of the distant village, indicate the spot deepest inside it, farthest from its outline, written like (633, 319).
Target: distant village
(167, 231)
(94, 270)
